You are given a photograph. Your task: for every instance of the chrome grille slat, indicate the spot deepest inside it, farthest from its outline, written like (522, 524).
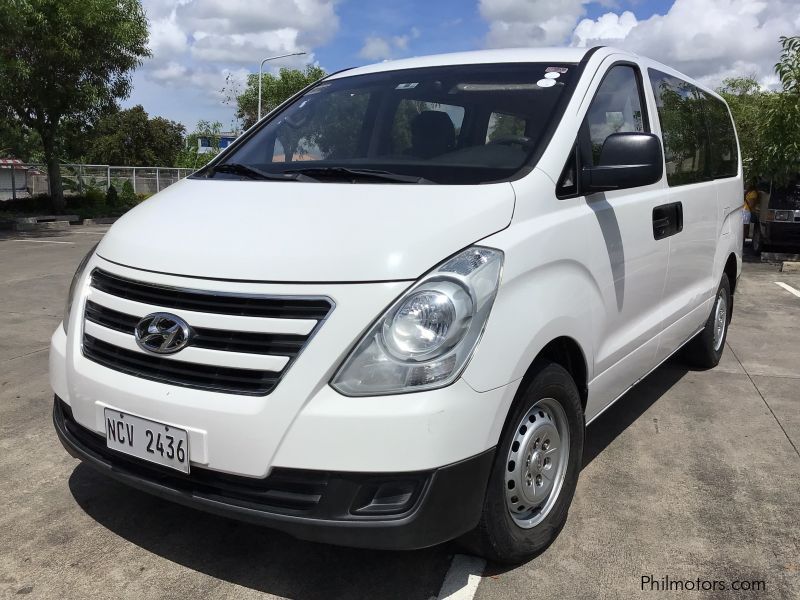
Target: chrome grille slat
(175, 372)
(288, 307)
(229, 349)
(213, 339)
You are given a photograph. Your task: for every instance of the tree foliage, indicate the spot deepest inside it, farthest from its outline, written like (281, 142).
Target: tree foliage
(131, 138)
(189, 157)
(67, 60)
(788, 65)
(274, 90)
(768, 122)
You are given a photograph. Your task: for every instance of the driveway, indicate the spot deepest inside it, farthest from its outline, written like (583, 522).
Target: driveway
(692, 476)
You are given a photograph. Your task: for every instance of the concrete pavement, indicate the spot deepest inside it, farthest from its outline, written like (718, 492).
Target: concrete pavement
(693, 474)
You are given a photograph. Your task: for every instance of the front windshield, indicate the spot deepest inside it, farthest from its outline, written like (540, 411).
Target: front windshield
(462, 124)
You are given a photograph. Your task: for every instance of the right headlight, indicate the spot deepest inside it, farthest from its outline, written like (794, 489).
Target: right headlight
(425, 339)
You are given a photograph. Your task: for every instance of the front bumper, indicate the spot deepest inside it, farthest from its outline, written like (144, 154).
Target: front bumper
(394, 511)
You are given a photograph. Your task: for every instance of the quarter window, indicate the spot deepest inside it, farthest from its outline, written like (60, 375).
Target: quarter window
(616, 108)
(724, 160)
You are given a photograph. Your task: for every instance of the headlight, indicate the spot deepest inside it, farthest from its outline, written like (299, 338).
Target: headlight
(425, 339)
(75, 280)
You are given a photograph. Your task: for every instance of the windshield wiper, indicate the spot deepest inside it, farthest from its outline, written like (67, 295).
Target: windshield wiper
(254, 173)
(348, 173)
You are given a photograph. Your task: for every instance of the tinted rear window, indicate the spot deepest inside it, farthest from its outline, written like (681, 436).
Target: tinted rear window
(698, 134)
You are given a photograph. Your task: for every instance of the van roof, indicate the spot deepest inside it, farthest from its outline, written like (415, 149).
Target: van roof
(511, 55)
(501, 55)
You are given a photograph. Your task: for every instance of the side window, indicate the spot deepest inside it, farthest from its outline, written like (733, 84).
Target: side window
(416, 121)
(724, 158)
(616, 107)
(502, 125)
(681, 111)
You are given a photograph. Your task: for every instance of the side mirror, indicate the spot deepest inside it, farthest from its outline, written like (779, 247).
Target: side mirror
(627, 160)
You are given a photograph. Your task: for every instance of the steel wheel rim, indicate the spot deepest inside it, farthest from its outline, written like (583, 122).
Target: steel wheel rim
(720, 321)
(537, 463)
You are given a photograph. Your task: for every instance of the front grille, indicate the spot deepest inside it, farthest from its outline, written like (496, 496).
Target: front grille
(287, 491)
(104, 345)
(287, 307)
(177, 372)
(213, 339)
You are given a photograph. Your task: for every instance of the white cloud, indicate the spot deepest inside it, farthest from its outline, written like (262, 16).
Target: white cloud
(379, 48)
(375, 48)
(530, 22)
(167, 39)
(608, 27)
(707, 39)
(198, 42)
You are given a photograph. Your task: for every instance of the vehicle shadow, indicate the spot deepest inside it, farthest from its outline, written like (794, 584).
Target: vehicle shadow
(273, 562)
(255, 557)
(625, 411)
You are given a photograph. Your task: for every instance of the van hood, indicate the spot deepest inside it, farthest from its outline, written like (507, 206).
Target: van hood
(304, 232)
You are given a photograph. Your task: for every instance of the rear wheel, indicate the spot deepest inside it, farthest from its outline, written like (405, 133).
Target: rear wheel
(705, 350)
(535, 472)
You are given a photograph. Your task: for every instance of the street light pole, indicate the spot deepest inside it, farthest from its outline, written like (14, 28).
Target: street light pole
(260, 72)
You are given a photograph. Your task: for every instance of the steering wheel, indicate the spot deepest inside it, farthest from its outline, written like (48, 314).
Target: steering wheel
(513, 140)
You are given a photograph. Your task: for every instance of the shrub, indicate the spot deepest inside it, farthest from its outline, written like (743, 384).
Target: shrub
(113, 202)
(128, 197)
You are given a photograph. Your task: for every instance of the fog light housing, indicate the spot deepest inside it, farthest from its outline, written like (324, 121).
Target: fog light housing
(386, 497)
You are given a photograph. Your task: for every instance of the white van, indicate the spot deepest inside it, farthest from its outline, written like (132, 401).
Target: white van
(384, 316)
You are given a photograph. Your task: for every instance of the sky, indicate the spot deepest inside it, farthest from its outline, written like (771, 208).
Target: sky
(200, 47)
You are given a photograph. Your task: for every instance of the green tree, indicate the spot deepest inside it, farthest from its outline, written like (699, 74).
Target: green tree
(768, 122)
(131, 138)
(190, 157)
(16, 140)
(274, 90)
(128, 199)
(782, 151)
(67, 60)
(749, 106)
(788, 65)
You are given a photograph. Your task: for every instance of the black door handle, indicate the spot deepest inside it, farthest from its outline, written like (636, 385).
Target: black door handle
(667, 220)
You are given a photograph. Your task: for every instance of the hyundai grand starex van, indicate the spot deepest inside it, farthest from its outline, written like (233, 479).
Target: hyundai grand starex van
(384, 316)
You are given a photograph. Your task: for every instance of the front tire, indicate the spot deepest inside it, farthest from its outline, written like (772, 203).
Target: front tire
(705, 350)
(535, 471)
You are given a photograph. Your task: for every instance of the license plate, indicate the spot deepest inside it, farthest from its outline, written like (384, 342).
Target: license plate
(151, 441)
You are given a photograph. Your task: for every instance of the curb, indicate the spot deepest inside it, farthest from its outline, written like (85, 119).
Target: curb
(99, 221)
(45, 226)
(790, 267)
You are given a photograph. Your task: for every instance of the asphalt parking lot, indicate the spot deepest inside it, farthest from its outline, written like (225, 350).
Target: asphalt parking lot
(693, 474)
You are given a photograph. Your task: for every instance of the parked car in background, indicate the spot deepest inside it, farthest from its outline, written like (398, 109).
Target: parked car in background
(384, 316)
(778, 222)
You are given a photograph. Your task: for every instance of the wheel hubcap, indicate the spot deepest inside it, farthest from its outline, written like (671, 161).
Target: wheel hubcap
(720, 321)
(537, 462)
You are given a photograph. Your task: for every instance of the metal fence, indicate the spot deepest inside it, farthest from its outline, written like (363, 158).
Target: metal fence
(24, 180)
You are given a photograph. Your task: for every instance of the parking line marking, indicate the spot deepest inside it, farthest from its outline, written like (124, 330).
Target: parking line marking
(462, 579)
(41, 241)
(788, 288)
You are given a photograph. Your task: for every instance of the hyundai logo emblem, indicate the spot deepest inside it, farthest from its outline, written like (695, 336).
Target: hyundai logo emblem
(162, 333)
